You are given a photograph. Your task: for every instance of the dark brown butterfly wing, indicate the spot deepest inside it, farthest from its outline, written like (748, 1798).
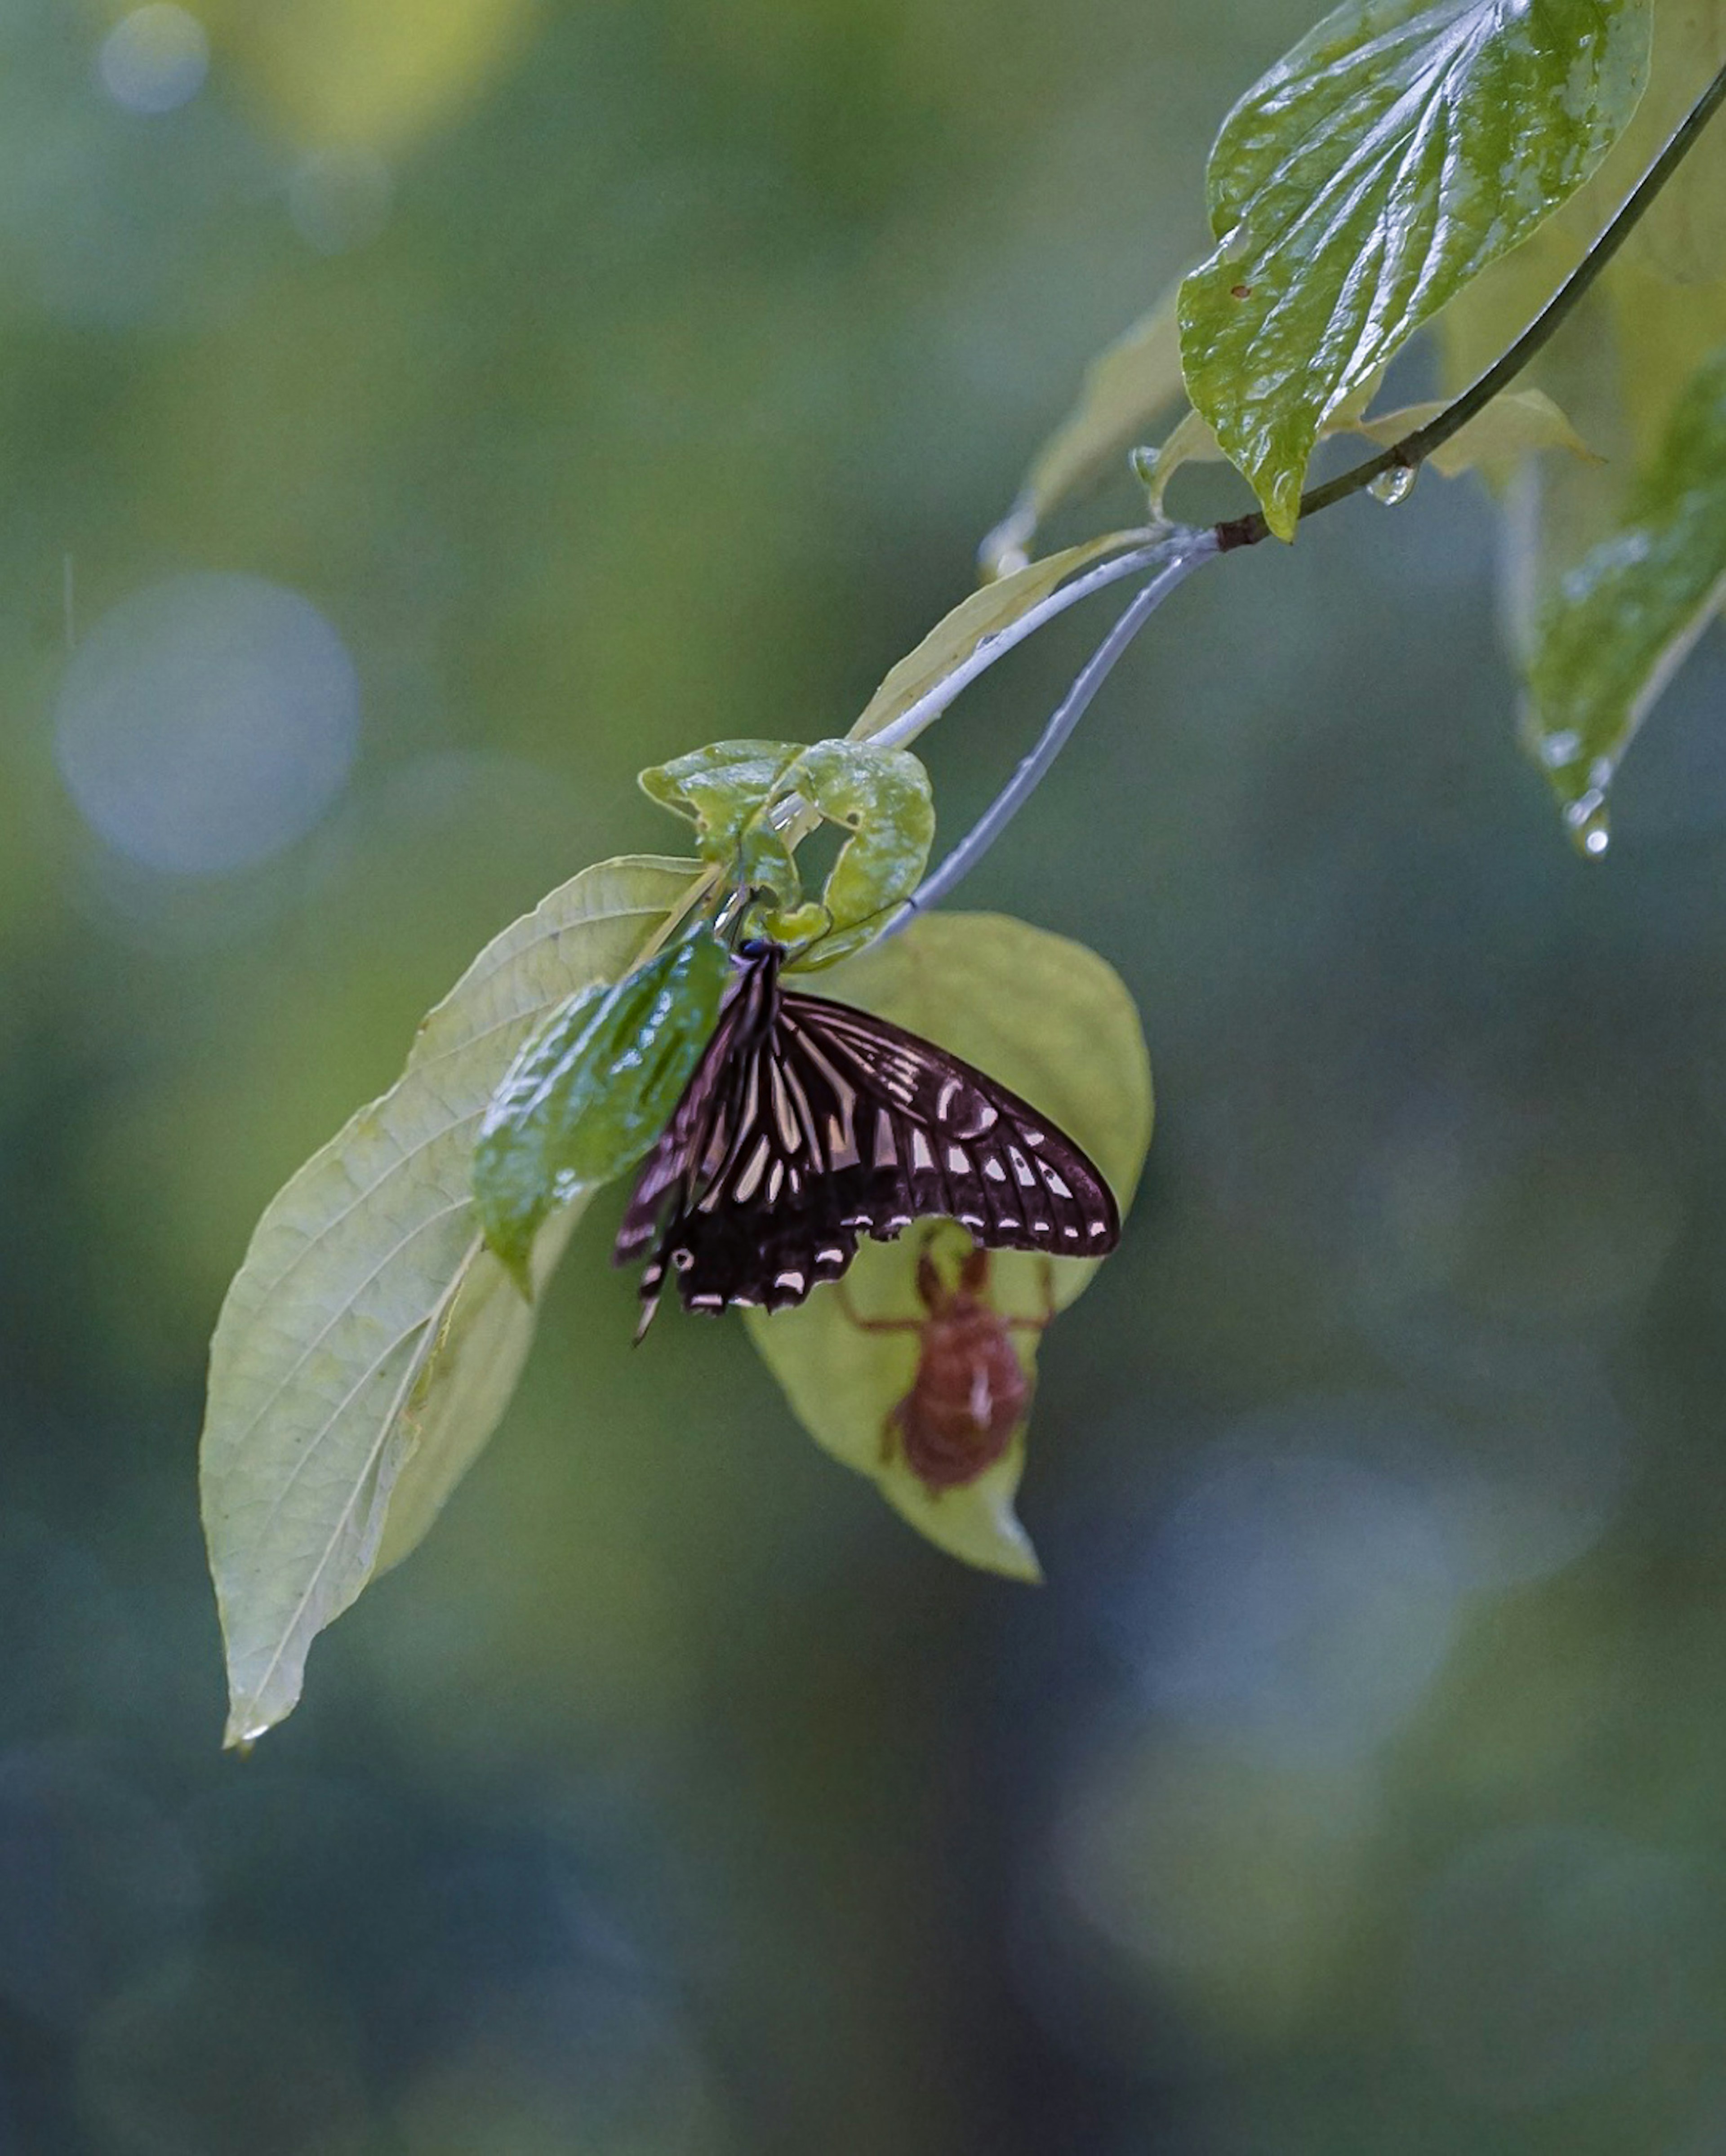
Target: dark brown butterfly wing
(808, 1123)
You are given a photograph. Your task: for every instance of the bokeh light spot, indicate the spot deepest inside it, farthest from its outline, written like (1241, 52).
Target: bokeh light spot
(1308, 1602)
(208, 722)
(155, 59)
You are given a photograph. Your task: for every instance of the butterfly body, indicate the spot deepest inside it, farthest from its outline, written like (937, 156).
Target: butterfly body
(970, 1393)
(808, 1123)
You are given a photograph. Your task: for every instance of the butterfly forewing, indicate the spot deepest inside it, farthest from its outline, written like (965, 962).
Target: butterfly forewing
(808, 1122)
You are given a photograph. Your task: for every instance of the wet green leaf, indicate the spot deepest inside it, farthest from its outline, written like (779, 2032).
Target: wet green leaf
(978, 618)
(368, 1342)
(1397, 151)
(1511, 427)
(722, 789)
(1626, 616)
(879, 796)
(1051, 1020)
(1127, 389)
(1665, 292)
(590, 1091)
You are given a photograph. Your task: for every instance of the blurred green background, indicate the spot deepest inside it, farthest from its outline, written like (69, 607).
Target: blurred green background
(419, 414)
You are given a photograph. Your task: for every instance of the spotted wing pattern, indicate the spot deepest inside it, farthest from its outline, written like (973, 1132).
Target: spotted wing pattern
(808, 1124)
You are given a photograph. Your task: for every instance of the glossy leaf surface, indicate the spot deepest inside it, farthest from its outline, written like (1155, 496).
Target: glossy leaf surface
(1626, 616)
(591, 1090)
(1396, 151)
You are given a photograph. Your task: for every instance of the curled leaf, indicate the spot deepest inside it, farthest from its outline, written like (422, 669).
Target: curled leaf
(880, 796)
(743, 796)
(723, 789)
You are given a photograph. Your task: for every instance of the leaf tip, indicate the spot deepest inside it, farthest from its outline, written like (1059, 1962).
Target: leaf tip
(246, 1723)
(1280, 500)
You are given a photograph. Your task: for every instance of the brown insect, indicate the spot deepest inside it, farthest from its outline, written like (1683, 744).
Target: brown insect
(970, 1393)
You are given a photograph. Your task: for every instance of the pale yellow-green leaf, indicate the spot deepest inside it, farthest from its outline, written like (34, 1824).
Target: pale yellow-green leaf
(1514, 425)
(359, 1327)
(977, 618)
(1052, 1021)
(1683, 237)
(1126, 389)
(467, 1382)
(1662, 333)
(1191, 442)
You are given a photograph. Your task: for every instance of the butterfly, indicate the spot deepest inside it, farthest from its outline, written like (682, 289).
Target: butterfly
(807, 1124)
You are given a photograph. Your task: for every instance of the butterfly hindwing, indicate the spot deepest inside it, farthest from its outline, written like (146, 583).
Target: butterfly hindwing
(808, 1123)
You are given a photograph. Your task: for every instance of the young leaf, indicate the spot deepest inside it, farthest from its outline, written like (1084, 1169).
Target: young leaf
(1514, 425)
(975, 622)
(1683, 238)
(880, 796)
(365, 1318)
(590, 1091)
(1126, 387)
(1395, 152)
(1051, 1020)
(1629, 611)
(723, 789)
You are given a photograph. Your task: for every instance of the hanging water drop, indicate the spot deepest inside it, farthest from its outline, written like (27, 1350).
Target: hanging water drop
(1587, 822)
(1395, 483)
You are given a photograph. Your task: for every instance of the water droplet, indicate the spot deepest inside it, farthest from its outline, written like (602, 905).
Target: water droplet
(1396, 483)
(1586, 821)
(1558, 749)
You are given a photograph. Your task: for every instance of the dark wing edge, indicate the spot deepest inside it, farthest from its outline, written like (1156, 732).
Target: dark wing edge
(819, 1123)
(958, 1143)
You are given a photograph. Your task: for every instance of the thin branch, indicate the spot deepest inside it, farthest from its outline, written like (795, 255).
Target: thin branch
(1414, 449)
(928, 707)
(1183, 551)
(1198, 546)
